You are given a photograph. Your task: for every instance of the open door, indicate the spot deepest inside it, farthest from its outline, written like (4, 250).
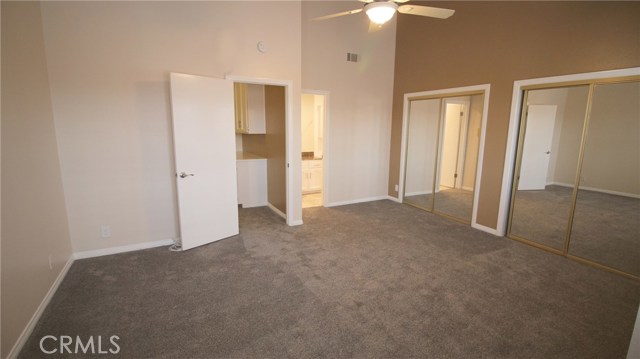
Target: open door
(536, 152)
(204, 145)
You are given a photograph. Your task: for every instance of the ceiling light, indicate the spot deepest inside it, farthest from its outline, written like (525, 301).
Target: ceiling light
(380, 12)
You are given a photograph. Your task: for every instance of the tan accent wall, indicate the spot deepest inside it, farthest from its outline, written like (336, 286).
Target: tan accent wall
(499, 43)
(275, 140)
(35, 234)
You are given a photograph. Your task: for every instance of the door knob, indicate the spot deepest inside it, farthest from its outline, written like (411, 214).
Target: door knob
(184, 174)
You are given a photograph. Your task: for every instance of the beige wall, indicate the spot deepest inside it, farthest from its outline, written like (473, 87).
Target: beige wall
(308, 114)
(422, 139)
(35, 235)
(274, 98)
(359, 113)
(109, 65)
(498, 43)
(611, 159)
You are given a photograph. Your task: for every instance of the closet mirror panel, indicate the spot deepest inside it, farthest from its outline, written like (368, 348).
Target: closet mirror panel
(549, 147)
(459, 146)
(606, 223)
(422, 140)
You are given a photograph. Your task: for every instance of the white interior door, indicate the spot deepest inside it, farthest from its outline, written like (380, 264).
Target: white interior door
(204, 145)
(450, 145)
(536, 152)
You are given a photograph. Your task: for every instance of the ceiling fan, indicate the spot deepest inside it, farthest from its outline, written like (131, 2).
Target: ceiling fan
(381, 11)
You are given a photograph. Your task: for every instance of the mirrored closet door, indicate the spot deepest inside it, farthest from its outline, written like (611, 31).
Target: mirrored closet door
(606, 221)
(443, 141)
(576, 187)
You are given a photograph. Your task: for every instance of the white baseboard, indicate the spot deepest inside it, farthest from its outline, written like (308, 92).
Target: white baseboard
(493, 231)
(354, 201)
(122, 249)
(599, 190)
(253, 205)
(26, 333)
(418, 193)
(394, 199)
(277, 211)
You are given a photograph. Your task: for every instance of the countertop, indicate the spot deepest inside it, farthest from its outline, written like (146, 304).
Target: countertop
(246, 156)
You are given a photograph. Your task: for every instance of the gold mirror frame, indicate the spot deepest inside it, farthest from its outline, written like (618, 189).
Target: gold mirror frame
(576, 185)
(441, 98)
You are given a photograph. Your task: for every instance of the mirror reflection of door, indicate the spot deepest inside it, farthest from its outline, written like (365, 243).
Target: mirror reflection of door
(536, 153)
(460, 139)
(443, 141)
(452, 144)
(552, 122)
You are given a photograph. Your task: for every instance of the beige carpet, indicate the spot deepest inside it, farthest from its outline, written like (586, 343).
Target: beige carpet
(606, 228)
(372, 280)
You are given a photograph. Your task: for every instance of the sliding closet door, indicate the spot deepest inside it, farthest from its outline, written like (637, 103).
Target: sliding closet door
(459, 146)
(606, 223)
(548, 154)
(422, 145)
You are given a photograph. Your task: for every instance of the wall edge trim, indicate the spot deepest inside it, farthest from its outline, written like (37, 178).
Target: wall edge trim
(28, 329)
(122, 249)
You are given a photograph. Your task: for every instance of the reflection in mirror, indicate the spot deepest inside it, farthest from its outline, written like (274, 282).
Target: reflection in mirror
(422, 137)
(549, 148)
(459, 146)
(606, 224)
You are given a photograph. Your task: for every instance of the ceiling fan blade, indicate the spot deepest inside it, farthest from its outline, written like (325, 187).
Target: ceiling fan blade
(336, 15)
(425, 11)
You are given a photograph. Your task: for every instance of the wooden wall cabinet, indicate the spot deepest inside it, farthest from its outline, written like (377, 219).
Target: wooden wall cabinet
(249, 108)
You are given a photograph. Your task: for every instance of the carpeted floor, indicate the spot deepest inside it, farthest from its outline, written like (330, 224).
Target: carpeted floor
(451, 201)
(372, 280)
(606, 228)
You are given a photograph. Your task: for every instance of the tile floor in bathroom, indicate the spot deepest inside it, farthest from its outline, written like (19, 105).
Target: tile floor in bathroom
(312, 200)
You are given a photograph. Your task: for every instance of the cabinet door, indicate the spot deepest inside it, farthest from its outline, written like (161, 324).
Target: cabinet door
(255, 121)
(252, 183)
(240, 106)
(315, 179)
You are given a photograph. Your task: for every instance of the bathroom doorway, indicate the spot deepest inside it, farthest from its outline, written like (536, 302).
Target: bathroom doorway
(314, 110)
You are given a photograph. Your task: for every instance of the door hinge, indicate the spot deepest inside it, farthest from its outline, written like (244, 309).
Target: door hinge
(455, 175)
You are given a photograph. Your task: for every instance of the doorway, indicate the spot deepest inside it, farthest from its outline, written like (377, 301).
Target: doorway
(280, 91)
(313, 121)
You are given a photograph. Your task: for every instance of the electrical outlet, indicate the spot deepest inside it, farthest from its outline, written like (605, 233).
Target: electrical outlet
(105, 231)
(396, 188)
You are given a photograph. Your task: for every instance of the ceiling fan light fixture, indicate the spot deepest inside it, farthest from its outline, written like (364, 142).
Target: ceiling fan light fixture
(380, 12)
